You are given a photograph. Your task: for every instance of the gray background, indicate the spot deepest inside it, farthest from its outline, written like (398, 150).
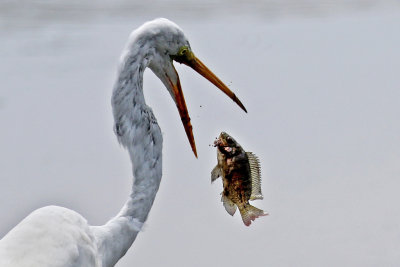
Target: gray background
(320, 80)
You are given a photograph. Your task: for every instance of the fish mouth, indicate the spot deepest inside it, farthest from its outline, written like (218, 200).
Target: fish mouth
(221, 145)
(218, 142)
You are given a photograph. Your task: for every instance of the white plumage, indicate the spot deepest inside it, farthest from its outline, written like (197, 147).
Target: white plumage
(58, 237)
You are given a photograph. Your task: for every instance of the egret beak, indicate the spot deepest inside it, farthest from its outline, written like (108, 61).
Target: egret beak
(182, 108)
(175, 89)
(192, 61)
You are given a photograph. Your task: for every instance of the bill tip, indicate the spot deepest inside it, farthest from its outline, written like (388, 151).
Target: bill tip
(240, 104)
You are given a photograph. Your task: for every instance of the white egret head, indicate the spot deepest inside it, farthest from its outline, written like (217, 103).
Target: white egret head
(164, 43)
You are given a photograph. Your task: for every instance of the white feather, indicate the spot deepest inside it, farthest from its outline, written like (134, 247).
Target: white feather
(58, 237)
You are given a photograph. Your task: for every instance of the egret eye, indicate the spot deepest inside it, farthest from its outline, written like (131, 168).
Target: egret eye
(183, 51)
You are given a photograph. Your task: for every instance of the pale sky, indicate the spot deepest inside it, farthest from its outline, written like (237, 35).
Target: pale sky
(322, 87)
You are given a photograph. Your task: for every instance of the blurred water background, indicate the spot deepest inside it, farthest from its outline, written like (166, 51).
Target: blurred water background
(320, 80)
(33, 13)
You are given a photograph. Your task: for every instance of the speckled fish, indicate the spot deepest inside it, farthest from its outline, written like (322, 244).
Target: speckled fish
(241, 177)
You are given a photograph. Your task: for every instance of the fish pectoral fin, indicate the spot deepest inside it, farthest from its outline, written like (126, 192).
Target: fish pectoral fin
(255, 173)
(230, 207)
(215, 173)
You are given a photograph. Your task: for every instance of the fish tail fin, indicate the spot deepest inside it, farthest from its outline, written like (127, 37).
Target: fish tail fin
(250, 213)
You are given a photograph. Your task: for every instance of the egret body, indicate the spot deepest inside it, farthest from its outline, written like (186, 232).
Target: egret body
(58, 237)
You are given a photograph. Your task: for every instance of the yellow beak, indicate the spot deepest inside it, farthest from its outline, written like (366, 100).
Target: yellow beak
(202, 69)
(193, 62)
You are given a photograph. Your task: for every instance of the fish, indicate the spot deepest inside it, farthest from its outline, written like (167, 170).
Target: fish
(241, 178)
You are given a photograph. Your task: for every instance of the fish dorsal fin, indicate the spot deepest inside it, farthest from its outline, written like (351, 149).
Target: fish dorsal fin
(255, 172)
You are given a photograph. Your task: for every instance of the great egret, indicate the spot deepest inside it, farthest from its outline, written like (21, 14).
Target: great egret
(56, 236)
